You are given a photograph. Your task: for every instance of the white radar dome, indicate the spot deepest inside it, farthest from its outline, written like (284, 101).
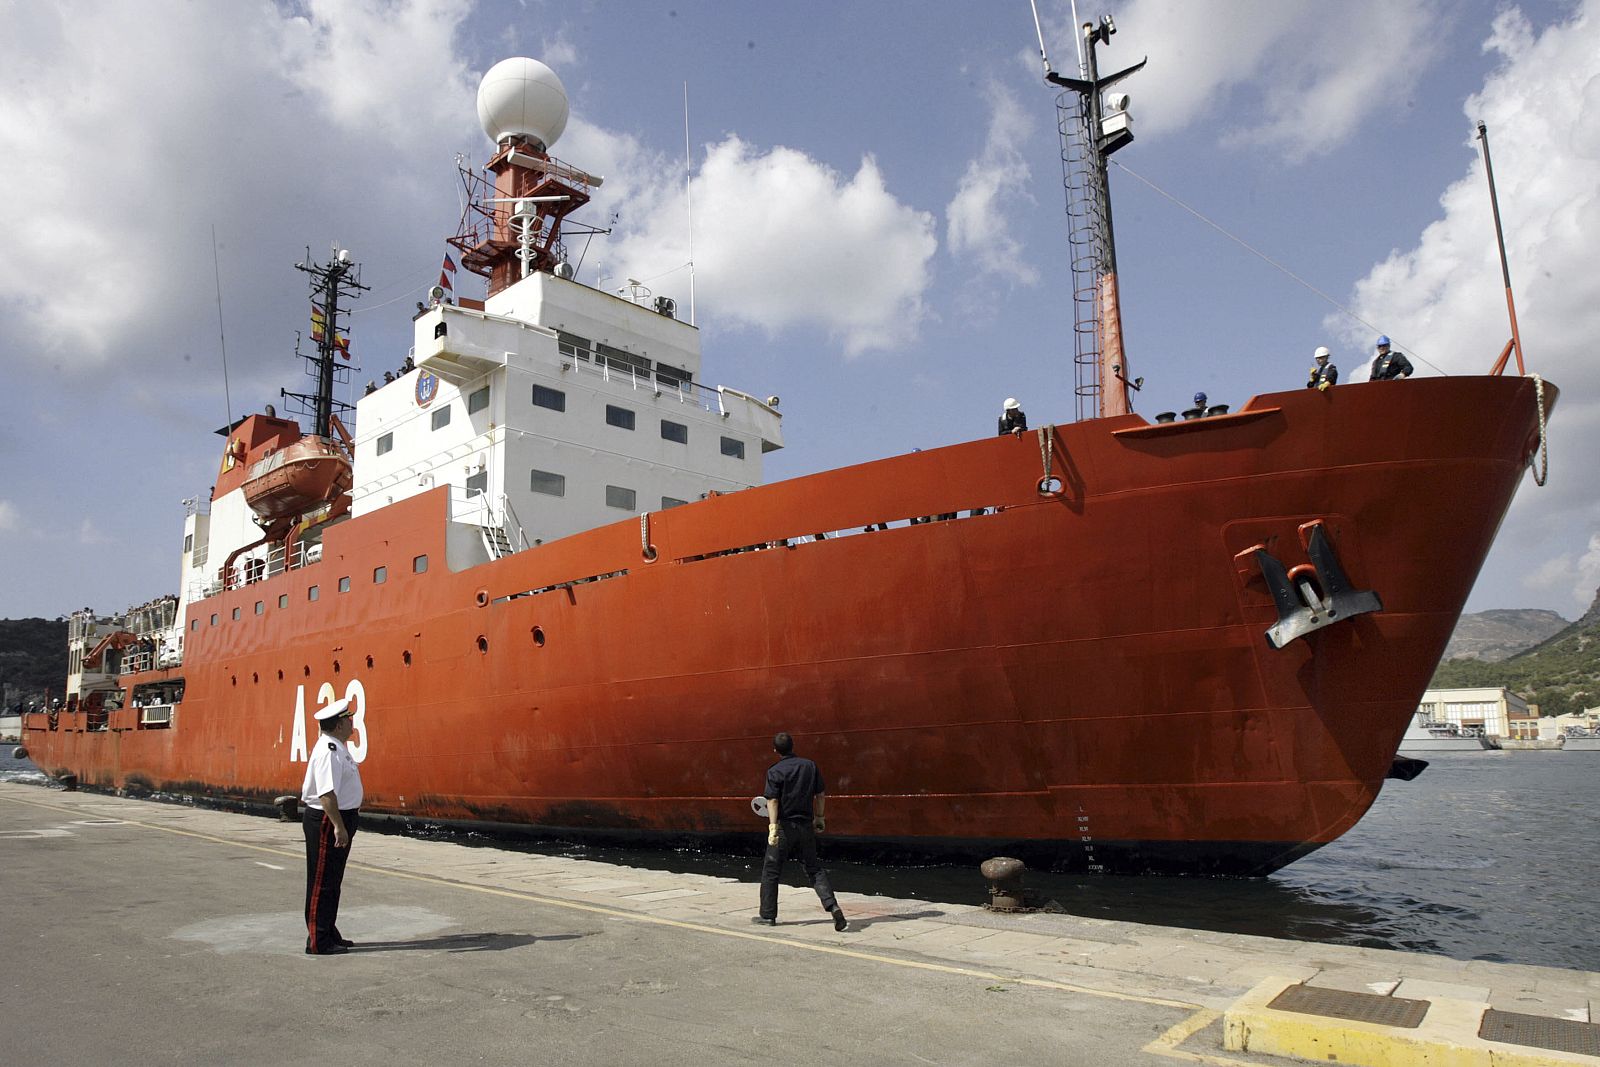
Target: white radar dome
(522, 98)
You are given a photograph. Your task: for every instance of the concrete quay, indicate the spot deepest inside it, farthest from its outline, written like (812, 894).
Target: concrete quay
(146, 932)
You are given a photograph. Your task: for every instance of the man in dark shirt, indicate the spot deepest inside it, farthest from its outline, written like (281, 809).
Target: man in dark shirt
(1324, 375)
(1388, 366)
(1012, 419)
(795, 800)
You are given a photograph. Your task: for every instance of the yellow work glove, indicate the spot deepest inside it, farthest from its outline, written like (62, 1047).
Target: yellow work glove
(772, 833)
(1322, 387)
(819, 824)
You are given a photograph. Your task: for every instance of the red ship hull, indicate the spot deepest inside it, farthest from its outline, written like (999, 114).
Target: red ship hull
(1080, 676)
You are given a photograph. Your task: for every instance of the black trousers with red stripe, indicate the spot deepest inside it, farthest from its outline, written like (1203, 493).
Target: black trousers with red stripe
(324, 875)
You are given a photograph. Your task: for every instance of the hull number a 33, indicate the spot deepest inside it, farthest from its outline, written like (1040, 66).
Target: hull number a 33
(304, 725)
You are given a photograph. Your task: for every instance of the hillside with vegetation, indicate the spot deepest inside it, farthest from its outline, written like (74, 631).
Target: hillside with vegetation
(1560, 674)
(33, 659)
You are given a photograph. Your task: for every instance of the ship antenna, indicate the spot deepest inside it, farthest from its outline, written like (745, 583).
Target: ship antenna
(1092, 128)
(1515, 344)
(222, 337)
(688, 196)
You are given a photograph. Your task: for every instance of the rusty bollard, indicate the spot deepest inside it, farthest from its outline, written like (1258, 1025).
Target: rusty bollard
(288, 808)
(1005, 884)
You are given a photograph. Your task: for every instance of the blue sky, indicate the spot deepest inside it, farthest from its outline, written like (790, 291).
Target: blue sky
(879, 235)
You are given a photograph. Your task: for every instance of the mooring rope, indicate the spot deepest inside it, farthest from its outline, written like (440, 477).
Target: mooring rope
(1046, 449)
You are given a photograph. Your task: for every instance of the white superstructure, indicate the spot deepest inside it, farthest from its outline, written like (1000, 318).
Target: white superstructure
(555, 409)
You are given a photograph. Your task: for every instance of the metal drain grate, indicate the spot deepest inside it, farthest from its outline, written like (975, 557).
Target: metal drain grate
(1539, 1031)
(1357, 1007)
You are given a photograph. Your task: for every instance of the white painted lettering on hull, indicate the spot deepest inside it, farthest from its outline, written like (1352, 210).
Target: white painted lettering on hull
(355, 693)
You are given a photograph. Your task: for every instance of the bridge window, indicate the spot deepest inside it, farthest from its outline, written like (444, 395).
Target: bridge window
(733, 447)
(441, 417)
(312, 593)
(419, 565)
(671, 502)
(235, 614)
(344, 584)
(618, 497)
(283, 600)
(477, 400)
(674, 431)
(386, 443)
(441, 330)
(380, 575)
(546, 397)
(548, 483)
(622, 418)
(261, 607)
(477, 484)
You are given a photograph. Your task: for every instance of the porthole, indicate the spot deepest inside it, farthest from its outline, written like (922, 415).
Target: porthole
(255, 679)
(483, 643)
(280, 674)
(405, 657)
(369, 663)
(335, 666)
(538, 636)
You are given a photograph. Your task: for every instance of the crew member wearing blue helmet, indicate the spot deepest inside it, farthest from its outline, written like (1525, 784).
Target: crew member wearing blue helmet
(1389, 365)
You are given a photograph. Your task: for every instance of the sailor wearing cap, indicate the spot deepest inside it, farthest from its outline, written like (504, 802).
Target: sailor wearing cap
(1012, 420)
(332, 798)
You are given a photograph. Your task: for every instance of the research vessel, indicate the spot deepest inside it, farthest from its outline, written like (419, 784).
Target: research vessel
(544, 567)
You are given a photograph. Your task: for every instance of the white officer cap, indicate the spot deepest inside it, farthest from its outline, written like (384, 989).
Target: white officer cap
(334, 710)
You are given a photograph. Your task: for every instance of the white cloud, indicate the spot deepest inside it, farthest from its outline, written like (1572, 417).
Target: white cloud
(8, 516)
(1570, 574)
(977, 227)
(128, 131)
(1443, 297)
(90, 534)
(1293, 77)
(780, 239)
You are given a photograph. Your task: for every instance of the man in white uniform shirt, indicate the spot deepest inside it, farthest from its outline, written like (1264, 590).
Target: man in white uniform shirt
(332, 799)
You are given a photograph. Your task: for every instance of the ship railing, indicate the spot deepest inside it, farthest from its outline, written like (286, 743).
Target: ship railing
(687, 392)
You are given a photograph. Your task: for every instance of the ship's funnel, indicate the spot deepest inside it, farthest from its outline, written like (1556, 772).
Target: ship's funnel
(522, 99)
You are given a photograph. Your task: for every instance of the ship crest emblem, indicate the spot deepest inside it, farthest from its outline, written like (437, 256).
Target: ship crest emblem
(427, 389)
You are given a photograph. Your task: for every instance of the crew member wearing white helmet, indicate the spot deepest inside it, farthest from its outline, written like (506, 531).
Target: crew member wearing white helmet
(1012, 420)
(1387, 365)
(332, 798)
(1323, 373)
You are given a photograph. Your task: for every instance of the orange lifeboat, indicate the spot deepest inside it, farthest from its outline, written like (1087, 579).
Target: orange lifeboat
(295, 478)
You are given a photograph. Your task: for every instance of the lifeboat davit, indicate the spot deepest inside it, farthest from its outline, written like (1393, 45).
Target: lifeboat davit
(297, 477)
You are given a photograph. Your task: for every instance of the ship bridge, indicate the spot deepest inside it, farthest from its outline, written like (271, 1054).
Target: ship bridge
(553, 408)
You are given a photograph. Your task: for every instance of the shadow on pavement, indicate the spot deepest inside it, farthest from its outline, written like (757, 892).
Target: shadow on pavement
(463, 942)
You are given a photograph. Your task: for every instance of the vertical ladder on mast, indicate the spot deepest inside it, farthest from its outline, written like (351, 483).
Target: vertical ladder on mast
(1086, 245)
(1088, 136)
